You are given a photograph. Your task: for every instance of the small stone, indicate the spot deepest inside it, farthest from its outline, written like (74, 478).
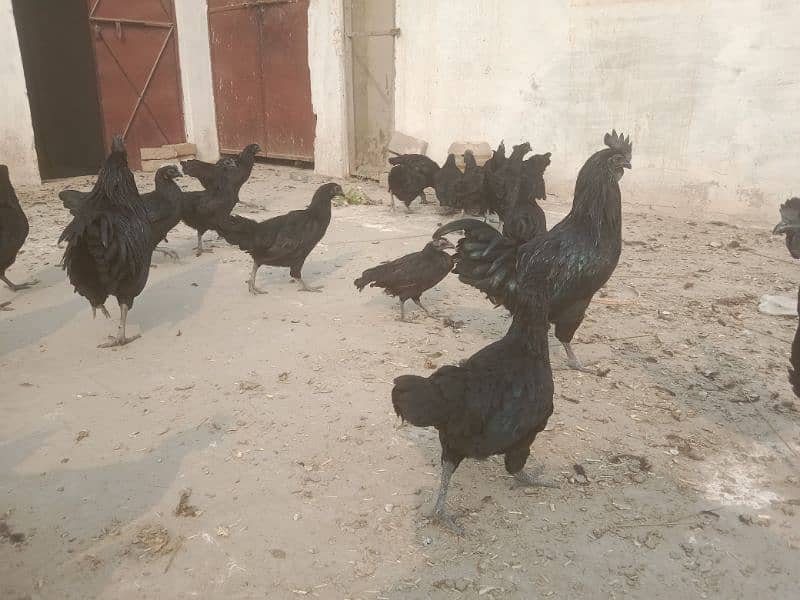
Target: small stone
(388, 507)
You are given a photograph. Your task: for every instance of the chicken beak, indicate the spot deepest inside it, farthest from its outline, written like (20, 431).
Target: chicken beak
(627, 165)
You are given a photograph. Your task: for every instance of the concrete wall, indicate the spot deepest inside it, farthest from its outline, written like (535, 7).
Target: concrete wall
(17, 149)
(708, 89)
(198, 88)
(326, 58)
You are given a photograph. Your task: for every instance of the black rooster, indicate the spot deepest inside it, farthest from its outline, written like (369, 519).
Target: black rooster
(496, 180)
(13, 229)
(790, 227)
(409, 276)
(409, 176)
(283, 241)
(213, 176)
(163, 205)
(496, 402)
(204, 210)
(583, 248)
(109, 245)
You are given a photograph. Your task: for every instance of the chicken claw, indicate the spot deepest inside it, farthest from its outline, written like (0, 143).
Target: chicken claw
(6, 305)
(304, 287)
(119, 341)
(447, 522)
(533, 479)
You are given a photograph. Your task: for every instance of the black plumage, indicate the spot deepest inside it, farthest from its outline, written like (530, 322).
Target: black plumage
(409, 176)
(790, 227)
(283, 241)
(163, 205)
(408, 277)
(496, 178)
(447, 183)
(583, 249)
(204, 210)
(213, 176)
(496, 402)
(108, 241)
(470, 190)
(13, 229)
(524, 218)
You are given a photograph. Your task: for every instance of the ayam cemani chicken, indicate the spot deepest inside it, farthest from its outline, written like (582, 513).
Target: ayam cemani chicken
(205, 209)
(163, 205)
(285, 240)
(109, 244)
(13, 230)
(496, 402)
(583, 249)
(409, 176)
(790, 227)
(211, 175)
(409, 276)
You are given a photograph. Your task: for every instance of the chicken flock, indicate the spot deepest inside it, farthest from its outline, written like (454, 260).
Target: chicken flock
(493, 403)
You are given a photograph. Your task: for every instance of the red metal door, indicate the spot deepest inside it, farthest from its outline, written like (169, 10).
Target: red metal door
(138, 77)
(262, 85)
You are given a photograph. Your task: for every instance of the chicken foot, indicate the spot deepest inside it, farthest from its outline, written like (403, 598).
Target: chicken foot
(533, 478)
(439, 517)
(418, 303)
(304, 287)
(15, 287)
(121, 340)
(166, 252)
(572, 360)
(251, 283)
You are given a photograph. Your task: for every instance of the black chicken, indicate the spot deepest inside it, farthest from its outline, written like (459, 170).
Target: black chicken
(163, 205)
(533, 170)
(409, 176)
(13, 229)
(583, 248)
(213, 176)
(470, 193)
(109, 245)
(496, 180)
(409, 276)
(790, 227)
(524, 218)
(447, 183)
(498, 158)
(496, 402)
(283, 241)
(204, 210)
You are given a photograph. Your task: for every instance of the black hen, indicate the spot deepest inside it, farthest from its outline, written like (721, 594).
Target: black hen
(790, 227)
(13, 229)
(409, 276)
(447, 184)
(204, 210)
(470, 190)
(497, 184)
(524, 218)
(213, 176)
(496, 402)
(163, 205)
(533, 176)
(283, 241)
(498, 158)
(409, 176)
(108, 242)
(583, 249)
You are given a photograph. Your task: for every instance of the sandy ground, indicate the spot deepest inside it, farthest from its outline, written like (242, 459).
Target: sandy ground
(678, 469)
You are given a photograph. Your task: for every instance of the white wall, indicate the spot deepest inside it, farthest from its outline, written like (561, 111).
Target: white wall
(326, 57)
(198, 89)
(708, 89)
(17, 148)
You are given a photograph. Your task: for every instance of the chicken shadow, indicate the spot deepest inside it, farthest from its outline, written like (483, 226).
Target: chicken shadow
(169, 300)
(64, 513)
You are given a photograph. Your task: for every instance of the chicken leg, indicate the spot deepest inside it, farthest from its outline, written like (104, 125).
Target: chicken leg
(439, 516)
(418, 303)
(199, 250)
(572, 359)
(166, 252)
(103, 311)
(392, 195)
(15, 287)
(121, 340)
(6, 305)
(251, 283)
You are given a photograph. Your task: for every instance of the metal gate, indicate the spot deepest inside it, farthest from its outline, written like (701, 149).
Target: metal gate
(138, 77)
(262, 85)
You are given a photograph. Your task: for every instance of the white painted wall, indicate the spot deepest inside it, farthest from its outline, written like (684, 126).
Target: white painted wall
(708, 89)
(326, 57)
(198, 89)
(17, 147)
